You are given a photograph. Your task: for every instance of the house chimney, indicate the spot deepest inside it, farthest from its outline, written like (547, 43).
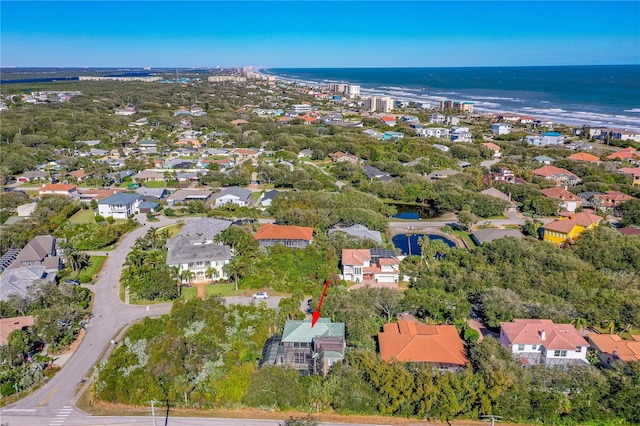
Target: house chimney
(543, 335)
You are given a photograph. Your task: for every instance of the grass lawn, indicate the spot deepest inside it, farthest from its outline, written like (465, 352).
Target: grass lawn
(95, 264)
(223, 290)
(463, 235)
(155, 184)
(255, 196)
(83, 216)
(174, 229)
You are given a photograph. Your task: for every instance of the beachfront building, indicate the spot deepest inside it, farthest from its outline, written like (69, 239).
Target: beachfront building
(500, 129)
(378, 104)
(547, 138)
(459, 106)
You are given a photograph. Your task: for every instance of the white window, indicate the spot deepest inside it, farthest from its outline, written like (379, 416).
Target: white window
(578, 348)
(521, 347)
(357, 270)
(534, 347)
(560, 353)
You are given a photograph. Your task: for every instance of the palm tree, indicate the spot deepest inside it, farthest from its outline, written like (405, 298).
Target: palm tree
(76, 259)
(187, 276)
(211, 273)
(580, 324)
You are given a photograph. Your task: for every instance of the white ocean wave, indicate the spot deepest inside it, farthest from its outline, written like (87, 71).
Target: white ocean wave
(632, 110)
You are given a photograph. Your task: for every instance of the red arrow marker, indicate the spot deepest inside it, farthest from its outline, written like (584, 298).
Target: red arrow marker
(316, 314)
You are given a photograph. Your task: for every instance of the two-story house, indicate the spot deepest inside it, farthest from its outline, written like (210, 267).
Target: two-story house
(570, 226)
(310, 350)
(566, 200)
(120, 205)
(541, 341)
(370, 265)
(194, 250)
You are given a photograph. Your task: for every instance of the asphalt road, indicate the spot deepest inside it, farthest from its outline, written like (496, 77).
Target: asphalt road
(109, 316)
(86, 420)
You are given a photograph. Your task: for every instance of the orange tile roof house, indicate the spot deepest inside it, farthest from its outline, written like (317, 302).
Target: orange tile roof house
(370, 265)
(583, 156)
(541, 341)
(8, 325)
(409, 341)
(59, 189)
(289, 236)
(571, 227)
(558, 175)
(632, 171)
(624, 154)
(566, 200)
(611, 348)
(337, 157)
(613, 198)
(78, 174)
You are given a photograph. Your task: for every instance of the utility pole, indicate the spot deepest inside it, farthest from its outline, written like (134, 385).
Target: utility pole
(153, 411)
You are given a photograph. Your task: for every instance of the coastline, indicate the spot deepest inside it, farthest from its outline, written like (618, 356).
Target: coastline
(535, 104)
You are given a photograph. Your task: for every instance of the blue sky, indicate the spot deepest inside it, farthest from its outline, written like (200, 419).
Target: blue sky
(318, 34)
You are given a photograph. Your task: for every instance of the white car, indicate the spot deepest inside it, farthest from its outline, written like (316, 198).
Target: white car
(261, 295)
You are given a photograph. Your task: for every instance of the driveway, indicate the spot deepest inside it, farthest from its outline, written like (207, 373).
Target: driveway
(272, 302)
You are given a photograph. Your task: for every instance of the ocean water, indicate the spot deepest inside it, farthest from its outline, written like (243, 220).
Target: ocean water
(595, 95)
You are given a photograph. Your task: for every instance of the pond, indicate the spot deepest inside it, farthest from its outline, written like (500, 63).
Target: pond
(401, 242)
(411, 211)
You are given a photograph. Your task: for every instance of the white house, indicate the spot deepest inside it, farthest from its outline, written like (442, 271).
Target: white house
(500, 129)
(540, 341)
(198, 257)
(233, 195)
(433, 132)
(370, 265)
(548, 138)
(267, 198)
(461, 134)
(120, 205)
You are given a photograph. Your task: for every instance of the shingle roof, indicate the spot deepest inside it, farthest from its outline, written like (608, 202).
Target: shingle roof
(487, 235)
(184, 252)
(236, 191)
(16, 281)
(530, 332)
(360, 231)
(205, 227)
(301, 331)
(279, 232)
(121, 198)
(409, 341)
(36, 250)
(496, 193)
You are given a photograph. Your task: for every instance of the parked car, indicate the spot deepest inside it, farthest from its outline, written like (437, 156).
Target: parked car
(261, 295)
(72, 282)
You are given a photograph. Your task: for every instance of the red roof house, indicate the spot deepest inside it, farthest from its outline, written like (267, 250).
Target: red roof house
(541, 341)
(289, 236)
(410, 341)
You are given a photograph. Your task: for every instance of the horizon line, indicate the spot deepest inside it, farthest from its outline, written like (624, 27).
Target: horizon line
(143, 67)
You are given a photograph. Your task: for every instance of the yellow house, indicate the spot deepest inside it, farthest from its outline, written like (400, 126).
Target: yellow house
(570, 228)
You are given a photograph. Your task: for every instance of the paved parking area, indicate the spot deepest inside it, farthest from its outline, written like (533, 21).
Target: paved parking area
(272, 302)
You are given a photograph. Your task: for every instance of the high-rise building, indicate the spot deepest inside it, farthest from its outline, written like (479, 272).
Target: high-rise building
(378, 104)
(352, 90)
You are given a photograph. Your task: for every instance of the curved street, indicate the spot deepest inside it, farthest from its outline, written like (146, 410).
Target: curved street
(109, 316)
